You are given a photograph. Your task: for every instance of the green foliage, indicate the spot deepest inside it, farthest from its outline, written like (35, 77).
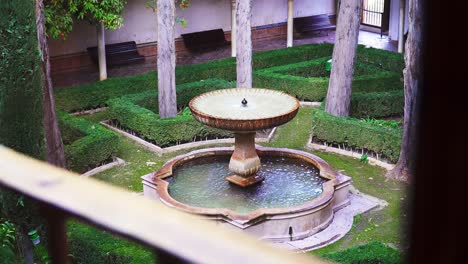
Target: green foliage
(95, 95)
(42, 254)
(226, 68)
(89, 96)
(20, 79)
(163, 132)
(96, 144)
(364, 158)
(371, 253)
(61, 13)
(383, 123)
(377, 104)
(357, 134)
(309, 80)
(184, 92)
(7, 236)
(21, 110)
(90, 245)
(58, 17)
(134, 112)
(152, 4)
(390, 61)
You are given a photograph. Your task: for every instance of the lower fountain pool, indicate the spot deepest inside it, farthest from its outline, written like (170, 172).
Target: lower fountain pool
(288, 182)
(297, 198)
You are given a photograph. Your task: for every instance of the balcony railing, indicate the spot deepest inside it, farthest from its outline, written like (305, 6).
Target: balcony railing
(175, 236)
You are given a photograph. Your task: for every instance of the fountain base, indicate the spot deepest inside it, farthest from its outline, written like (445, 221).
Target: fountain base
(244, 163)
(244, 181)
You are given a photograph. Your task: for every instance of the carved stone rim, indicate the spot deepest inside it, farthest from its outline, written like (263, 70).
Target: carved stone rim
(243, 124)
(334, 180)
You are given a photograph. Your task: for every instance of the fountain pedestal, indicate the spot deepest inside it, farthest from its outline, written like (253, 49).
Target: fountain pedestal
(244, 162)
(244, 111)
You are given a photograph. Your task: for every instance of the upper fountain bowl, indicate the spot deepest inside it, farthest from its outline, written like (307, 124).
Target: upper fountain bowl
(244, 109)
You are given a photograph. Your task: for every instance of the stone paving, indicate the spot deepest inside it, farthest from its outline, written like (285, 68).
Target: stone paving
(341, 224)
(87, 76)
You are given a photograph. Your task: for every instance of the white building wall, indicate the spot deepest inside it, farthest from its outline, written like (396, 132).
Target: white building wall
(140, 22)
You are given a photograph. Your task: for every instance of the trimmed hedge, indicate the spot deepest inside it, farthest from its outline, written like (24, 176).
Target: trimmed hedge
(371, 253)
(290, 78)
(355, 133)
(185, 92)
(378, 104)
(86, 143)
(131, 113)
(387, 60)
(21, 112)
(88, 96)
(94, 95)
(163, 132)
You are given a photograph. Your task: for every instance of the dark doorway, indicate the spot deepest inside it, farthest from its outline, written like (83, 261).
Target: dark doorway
(375, 13)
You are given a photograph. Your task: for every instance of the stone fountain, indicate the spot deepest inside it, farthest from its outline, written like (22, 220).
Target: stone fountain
(275, 194)
(229, 109)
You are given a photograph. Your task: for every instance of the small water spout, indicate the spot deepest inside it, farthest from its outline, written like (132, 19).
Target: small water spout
(244, 102)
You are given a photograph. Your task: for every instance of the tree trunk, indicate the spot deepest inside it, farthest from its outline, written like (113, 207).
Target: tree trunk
(344, 53)
(244, 43)
(401, 26)
(413, 74)
(166, 59)
(102, 51)
(54, 145)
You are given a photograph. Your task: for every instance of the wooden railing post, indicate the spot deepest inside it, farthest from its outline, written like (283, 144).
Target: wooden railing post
(56, 234)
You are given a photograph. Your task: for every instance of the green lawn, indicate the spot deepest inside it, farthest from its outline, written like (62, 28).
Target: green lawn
(382, 225)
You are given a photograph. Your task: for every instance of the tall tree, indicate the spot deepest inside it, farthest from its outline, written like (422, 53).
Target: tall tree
(165, 10)
(413, 74)
(54, 145)
(244, 43)
(344, 54)
(166, 59)
(104, 14)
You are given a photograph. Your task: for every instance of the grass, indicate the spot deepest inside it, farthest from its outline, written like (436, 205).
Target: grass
(374, 252)
(382, 225)
(97, 117)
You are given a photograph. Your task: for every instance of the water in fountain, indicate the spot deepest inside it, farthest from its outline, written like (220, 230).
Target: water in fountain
(288, 182)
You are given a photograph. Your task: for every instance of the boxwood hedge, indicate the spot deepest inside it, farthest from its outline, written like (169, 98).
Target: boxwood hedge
(185, 92)
(88, 96)
(378, 104)
(130, 112)
(293, 79)
(357, 133)
(86, 143)
(163, 132)
(387, 60)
